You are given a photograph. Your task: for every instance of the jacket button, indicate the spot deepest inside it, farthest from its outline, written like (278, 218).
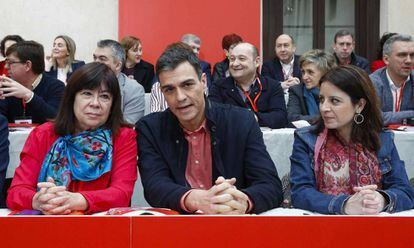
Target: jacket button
(177, 141)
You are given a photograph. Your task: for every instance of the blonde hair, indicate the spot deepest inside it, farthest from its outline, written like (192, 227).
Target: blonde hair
(71, 47)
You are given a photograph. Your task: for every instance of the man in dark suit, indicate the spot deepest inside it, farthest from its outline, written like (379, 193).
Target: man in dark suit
(200, 155)
(29, 95)
(285, 66)
(4, 157)
(343, 47)
(245, 88)
(195, 43)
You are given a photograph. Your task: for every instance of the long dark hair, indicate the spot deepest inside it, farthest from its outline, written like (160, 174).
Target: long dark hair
(357, 85)
(90, 76)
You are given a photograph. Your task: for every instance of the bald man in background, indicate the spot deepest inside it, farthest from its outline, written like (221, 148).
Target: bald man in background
(284, 67)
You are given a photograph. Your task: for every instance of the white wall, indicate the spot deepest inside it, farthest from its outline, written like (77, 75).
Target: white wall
(397, 16)
(85, 21)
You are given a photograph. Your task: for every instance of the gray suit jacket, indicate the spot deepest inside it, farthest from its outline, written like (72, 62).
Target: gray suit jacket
(133, 98)
(382, 87)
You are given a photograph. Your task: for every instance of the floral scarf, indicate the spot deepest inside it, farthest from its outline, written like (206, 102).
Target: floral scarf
(83, 157)
(340, 166)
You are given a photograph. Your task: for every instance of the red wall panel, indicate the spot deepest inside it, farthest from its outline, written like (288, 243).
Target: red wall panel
(160, 22)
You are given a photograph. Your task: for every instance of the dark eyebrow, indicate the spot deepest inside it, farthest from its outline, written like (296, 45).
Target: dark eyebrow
(190, 80)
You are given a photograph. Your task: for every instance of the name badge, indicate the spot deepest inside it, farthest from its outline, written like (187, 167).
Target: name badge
(23, 120)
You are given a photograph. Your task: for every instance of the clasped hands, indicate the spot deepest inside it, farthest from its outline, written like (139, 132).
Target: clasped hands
(365, 201)
(290, 82)
(52, 199)
(222, 198)
(9, 87)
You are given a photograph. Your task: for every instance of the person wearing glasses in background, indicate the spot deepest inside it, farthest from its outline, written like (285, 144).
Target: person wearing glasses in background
(28, 95)
(247, 89)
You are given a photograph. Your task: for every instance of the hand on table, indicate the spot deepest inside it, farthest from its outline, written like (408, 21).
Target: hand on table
(53, 200)
(222, 198)
(365, 201)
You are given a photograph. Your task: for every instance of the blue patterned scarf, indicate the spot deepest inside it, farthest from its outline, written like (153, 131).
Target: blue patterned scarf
(311, 99)
(83, 157)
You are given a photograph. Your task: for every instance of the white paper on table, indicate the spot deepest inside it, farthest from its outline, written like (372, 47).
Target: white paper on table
(300, 123)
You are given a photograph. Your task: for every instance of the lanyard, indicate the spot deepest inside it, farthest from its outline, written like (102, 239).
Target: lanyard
(253, 102)
(399, 98)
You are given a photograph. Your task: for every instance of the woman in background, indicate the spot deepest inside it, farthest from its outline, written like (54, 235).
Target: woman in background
(84, 161)
(4, 45)
(62, 62)
(347, 164)
(304, 98)
(135, 67)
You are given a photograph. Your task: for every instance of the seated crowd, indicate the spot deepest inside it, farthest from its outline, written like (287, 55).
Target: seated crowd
(201, 150)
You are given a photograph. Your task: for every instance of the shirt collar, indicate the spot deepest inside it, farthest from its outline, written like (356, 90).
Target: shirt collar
(36, 82)
(288, 64)
(392, 84)
(202, 128)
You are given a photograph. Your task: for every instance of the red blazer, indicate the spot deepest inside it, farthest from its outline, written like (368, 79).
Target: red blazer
(113, 189)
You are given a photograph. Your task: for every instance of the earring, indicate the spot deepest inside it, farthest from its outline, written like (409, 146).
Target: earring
(358, 118)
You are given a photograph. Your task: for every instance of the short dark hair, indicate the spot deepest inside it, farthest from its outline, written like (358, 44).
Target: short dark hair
(341, 33)
(174, 55)
(89, 76)
(16, 38)
(357, 85)
(117, 51)
(229, 40)
(29, 51)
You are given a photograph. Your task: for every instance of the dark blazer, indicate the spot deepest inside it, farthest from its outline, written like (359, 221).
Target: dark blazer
(75, 65)
(273, 69)
(358, 61)
(219, 70)
(296, 108)
(206, 68)
(43, 106)
(238, 151)
(271, 103)
(4, 156)
(143, 74)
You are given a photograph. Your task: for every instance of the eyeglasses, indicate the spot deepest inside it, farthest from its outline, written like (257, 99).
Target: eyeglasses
(8, 62)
